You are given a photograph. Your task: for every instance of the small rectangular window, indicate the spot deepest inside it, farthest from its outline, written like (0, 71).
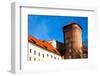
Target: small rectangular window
(34, 52)
(55, 57)
(30, 58)
(43, 55)
(47, 55)
(39, 54)
(51, 56)
(30, 50)
(34, 59)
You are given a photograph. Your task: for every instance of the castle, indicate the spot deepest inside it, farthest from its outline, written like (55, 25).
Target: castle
(73, 42)
(72, 48)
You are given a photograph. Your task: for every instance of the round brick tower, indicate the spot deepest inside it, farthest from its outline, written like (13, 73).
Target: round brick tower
(72, 41)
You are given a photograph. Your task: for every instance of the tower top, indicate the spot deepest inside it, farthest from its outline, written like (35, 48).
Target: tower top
(70, 26)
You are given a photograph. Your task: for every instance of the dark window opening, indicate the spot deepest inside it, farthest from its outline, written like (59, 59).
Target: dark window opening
(30, 58)
(30, 50)
(55, 57)
(34, 59)
(34, 52)
(47, 55)
(39, 54)
(43, 55)
(51, 56)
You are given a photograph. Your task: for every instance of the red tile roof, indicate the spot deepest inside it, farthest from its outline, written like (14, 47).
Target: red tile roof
(43, 44)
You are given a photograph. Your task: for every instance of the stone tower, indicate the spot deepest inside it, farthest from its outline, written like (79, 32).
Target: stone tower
(72, 41)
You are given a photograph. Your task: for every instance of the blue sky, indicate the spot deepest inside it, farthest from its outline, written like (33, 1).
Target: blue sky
(50, 27)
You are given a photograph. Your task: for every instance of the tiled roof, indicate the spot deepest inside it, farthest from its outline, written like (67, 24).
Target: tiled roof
(43, 44)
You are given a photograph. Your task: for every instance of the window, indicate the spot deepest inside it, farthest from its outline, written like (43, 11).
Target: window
(30, 50)
(30, 58)
(39, 54)
(43, 55)
(34, 59)
(47, 55)
(51, 56)
(34, 52)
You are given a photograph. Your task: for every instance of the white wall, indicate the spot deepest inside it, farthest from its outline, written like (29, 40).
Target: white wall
(5, 42)
(42, 51)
